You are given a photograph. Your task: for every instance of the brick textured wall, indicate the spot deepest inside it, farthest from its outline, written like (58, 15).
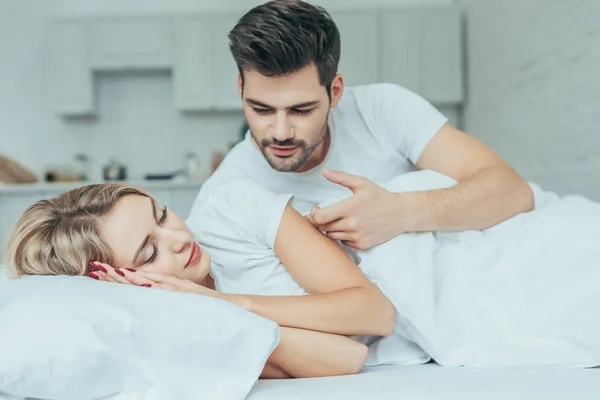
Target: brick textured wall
(534, 88)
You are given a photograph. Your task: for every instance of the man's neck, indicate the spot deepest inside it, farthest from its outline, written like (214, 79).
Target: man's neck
(318, 155)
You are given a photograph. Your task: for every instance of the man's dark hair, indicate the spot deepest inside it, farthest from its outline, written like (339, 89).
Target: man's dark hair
(281, 37)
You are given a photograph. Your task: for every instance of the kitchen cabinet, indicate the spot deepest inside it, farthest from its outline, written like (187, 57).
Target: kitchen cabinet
(422, 51)
(192, 64)
(441, 55)
(68, 79)
(419, 48)
(130, 43)
(224, 68)
(360, 49)
(400, 61)
(205, 74)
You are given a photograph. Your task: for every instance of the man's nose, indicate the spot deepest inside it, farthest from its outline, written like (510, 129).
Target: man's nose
(281, 131)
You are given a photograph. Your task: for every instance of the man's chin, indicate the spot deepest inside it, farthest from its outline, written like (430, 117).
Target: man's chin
(284, 164)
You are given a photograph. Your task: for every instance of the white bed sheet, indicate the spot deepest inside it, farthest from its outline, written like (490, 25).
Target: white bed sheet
(432, 382)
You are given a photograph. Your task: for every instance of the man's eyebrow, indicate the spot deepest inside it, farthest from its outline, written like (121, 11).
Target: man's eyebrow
(300, 105)
(147, 238)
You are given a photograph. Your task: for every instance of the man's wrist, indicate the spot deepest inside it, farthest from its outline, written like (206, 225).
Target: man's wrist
(406, 209)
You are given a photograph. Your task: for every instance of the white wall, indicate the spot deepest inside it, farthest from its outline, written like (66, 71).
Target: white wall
(136, 119)
(534, 87)
(109, 6)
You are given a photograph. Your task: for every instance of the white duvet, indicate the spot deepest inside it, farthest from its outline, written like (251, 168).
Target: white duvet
(525, 292)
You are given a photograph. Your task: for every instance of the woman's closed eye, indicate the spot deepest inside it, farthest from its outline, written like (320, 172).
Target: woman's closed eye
(163, 217)
(154, 254)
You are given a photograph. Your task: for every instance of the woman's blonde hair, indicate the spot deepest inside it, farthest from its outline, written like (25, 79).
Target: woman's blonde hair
(61, 236)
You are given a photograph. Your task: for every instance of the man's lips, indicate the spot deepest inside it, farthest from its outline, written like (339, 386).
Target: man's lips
(283, 151)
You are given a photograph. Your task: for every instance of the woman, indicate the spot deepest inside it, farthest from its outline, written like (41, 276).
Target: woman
(470, 298)
(90, 229)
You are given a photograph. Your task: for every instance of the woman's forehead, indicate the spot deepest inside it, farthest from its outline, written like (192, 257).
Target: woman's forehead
(127, 225)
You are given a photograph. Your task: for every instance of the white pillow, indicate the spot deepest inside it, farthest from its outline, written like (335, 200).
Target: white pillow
(67, 337)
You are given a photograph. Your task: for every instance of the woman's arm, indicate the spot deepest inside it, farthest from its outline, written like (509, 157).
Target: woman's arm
(342, 301)
(308, 354)
(271, 371)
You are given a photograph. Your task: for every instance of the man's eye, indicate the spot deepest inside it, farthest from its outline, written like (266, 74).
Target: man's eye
(302, 112)
(261, 110)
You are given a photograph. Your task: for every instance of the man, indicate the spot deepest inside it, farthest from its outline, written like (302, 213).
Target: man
(311, 137)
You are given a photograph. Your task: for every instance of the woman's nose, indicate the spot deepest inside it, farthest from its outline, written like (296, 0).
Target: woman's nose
(180, 241)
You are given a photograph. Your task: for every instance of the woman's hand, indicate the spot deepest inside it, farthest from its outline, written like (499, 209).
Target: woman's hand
(168, 282)
(128, 276)
(107, 273)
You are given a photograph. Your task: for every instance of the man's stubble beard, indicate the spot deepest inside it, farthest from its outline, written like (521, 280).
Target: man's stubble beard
(296, 161)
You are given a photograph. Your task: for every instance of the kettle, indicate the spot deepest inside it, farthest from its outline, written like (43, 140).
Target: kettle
(114, 171)
(191, 165)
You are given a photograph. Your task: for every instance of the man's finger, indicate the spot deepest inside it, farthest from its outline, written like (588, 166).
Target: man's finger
(326, 215)
(310, 219)
(350, 243)
(341, 225)
(341, 236)
(350, 181)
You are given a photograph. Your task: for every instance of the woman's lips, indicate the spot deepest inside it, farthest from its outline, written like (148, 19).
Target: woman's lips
(195, 255)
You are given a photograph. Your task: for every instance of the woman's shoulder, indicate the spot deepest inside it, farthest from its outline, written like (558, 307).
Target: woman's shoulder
(244, 193)
(240, 187)
(247, 199)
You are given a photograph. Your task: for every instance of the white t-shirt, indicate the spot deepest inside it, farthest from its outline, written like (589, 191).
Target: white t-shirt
(237, 224)
(377, 131)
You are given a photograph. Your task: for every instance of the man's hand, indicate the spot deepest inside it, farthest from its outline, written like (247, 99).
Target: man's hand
(371, 216)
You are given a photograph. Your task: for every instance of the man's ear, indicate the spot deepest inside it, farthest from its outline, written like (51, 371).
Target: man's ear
(337, 89)
(240, 85)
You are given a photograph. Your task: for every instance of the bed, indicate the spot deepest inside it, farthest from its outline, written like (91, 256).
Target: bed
(432, 382)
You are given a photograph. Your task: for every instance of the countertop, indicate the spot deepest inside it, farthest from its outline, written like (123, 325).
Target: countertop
(60, 187)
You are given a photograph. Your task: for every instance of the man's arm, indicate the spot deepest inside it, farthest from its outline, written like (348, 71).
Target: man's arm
(489, 190)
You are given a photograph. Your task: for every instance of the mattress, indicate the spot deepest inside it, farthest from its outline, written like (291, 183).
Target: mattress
(432, 382)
